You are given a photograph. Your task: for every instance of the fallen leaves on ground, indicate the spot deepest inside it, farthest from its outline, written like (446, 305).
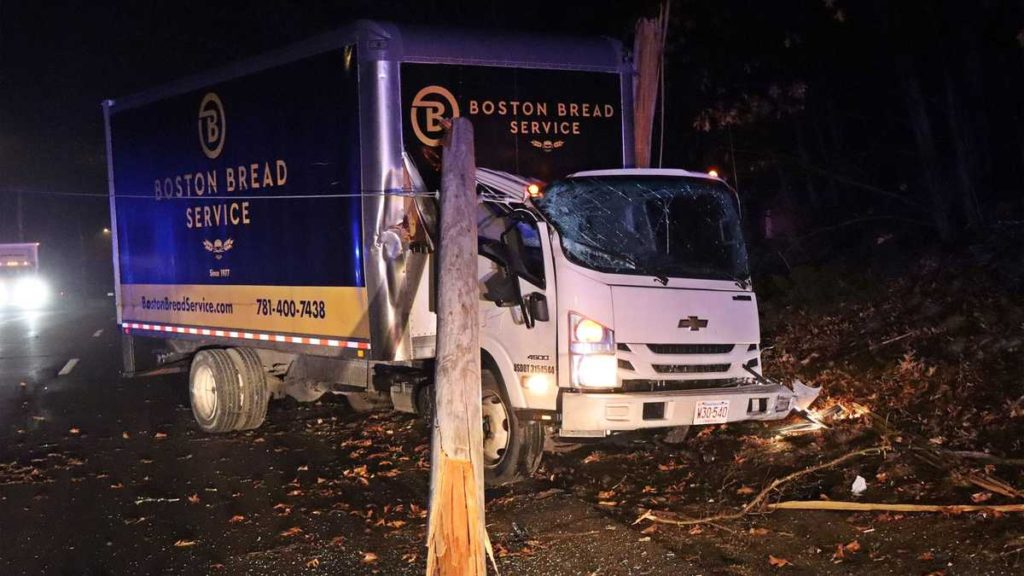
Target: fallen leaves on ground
(185, 543)
(293, 531)
(844, 550)
(979, 497)
(778, 562)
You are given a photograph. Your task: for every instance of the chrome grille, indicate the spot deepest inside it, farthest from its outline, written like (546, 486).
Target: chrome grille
(691, 348)
(647, 385)
(689, 368)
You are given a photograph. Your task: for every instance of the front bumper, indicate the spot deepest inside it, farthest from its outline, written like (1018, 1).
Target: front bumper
(597, 414)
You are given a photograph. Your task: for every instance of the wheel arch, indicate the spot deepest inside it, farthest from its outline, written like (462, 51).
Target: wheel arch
(495, 359)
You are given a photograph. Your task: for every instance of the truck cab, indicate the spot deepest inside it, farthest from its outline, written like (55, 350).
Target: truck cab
(615, 300)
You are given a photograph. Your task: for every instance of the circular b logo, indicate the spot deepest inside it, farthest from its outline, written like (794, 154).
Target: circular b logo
(431, 105)
(213, 126)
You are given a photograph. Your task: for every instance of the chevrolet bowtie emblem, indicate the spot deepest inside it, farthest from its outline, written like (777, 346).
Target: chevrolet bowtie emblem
(693, 323)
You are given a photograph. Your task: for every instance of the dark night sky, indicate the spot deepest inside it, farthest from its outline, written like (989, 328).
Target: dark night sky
(59, 59)
(813, 93)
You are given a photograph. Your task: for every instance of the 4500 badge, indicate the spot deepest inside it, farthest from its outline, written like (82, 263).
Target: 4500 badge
(315, 309)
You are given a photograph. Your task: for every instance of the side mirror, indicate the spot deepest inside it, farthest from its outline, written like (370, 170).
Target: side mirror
(513, 241)
(494, 251)
(502, 288)
(537, 306)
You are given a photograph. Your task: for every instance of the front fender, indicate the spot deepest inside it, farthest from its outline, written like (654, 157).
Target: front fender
(490, 347)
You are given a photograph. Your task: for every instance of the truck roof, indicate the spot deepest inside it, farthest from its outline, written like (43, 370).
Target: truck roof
(380, 40)
(642, 172)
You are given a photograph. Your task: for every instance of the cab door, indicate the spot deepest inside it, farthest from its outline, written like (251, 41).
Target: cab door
(522, 323)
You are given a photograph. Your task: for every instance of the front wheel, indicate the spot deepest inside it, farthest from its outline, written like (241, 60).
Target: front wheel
(512, 447)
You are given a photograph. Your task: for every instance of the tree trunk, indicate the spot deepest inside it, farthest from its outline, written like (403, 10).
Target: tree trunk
(938, 194)
(964, 167)
(829, 160)
(456, 534)
(812, 191)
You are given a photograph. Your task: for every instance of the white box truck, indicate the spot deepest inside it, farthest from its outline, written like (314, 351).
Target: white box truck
(21, 286)
(275, 225)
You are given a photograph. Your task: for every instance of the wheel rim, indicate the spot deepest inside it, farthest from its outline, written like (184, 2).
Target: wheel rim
(496, 429)
(204, 392)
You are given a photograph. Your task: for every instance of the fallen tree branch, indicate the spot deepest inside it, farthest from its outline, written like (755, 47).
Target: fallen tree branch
(939, 458)
(990, 458)
(758, 500)
(873, 507)
(891, 340)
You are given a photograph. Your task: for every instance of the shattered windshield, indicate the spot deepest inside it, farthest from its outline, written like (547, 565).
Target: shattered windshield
(660, 226)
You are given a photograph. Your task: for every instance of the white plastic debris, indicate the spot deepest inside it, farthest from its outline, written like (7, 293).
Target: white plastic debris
(859, 486)
(805, 395)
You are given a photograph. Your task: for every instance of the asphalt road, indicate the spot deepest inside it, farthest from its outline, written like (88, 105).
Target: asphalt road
(104, 475)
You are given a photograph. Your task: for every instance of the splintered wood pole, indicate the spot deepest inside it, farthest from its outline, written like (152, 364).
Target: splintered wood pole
(456, 534)
(649, 50)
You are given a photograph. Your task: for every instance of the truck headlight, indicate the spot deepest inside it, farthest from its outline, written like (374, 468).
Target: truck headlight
(592, 353)
(589, 337)
(595, 371)
(30, 293)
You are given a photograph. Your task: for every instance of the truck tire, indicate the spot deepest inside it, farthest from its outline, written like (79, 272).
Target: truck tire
(214, 391)
(255, 390)
(512, 447)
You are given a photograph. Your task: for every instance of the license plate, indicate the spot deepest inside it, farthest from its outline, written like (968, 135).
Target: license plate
(711, 412)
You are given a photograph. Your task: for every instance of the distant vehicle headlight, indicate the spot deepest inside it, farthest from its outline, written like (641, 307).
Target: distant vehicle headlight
(30, 293)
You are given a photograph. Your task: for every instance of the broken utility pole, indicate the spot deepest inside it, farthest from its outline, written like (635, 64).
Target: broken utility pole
(456, 534)
(649, 48)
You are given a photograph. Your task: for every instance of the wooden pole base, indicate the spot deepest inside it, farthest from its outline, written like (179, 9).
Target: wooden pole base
(455, 539)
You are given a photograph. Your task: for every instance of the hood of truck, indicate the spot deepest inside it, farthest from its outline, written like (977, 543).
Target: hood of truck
(666, 315)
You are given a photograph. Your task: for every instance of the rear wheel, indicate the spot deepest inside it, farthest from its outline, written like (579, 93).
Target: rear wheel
(213, 390)
(512, 447)
(228, 390)
(255, 391)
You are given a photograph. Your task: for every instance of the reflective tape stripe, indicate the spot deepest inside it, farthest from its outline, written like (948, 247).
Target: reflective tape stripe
(264, 337)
